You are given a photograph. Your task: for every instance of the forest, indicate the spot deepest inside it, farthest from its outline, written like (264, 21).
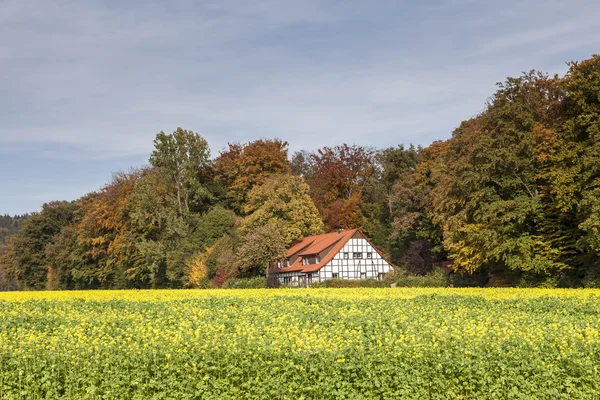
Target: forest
(512, 196)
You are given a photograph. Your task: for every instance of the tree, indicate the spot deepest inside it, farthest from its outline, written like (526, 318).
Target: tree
(243, 167)
(301, 164)
(65, 258)
(394, 204)
(261, 248)
(182, 158)
(484, 188)
(575, 179)
(108, 237)
(197, 271)
(9, 226)
(419, 258)
(338, 178)
(25, 256)
(165, 243)
(212, 225)
(221, 260)
(283, 201)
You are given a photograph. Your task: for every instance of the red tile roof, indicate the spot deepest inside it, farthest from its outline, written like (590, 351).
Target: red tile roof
(314, 245)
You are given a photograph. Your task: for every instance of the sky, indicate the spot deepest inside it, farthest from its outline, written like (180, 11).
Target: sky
(86, 85)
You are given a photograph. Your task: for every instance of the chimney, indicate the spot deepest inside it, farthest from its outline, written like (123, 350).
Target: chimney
(340, 231)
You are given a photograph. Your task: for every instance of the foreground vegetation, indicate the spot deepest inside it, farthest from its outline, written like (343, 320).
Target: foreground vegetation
(315, 343)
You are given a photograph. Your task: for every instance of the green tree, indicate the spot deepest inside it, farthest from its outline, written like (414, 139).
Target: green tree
(25, 256)
(575, 180)
(485, 189)
(166, 232)
(395, 206)
(65, 259)
(183, 159)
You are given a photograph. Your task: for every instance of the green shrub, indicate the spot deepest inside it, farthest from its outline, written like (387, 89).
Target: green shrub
(346, 283)
(539, 281)
(436, 278)
(592, 278)
(246, 283)
(373, 283)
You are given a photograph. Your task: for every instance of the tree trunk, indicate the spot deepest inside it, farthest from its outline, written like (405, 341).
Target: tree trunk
(179, 199)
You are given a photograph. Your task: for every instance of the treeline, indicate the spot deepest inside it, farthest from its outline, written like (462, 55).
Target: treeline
(513, 196)
(10, 225)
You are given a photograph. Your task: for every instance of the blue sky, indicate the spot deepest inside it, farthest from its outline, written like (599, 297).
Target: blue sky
(86, 85)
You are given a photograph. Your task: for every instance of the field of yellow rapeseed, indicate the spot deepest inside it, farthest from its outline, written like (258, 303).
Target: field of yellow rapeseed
(304, 343)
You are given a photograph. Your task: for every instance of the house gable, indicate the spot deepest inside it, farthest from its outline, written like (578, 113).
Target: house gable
(357, 259)
(343, 254)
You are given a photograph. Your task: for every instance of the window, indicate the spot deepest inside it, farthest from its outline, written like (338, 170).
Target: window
(380, 276)
(335, 276)
(369, 255)
(356, 255)
(345, 255)
(363, 275)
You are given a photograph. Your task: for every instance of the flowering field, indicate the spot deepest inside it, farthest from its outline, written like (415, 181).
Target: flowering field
(311, 344)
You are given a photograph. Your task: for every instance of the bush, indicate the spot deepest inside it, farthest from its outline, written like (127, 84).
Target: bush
(436, 278)
(592, 277)
(539, 281)
(373, 283)
(346, 283)
(480, 279)
(246, 283)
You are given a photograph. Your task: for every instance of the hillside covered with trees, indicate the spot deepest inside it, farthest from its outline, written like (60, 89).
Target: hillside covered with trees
(513, 195)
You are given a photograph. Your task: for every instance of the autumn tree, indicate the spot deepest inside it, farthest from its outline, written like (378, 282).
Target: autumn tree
(261, 248)
(107, 236)
(283, 201)
(337, 180)
(243, 167)
(221, 262)
(485, 191)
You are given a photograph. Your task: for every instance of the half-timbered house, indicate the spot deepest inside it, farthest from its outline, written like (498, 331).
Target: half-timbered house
(345, 254)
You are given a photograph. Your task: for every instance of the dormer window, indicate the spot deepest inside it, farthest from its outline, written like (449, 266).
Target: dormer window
(310, 259)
